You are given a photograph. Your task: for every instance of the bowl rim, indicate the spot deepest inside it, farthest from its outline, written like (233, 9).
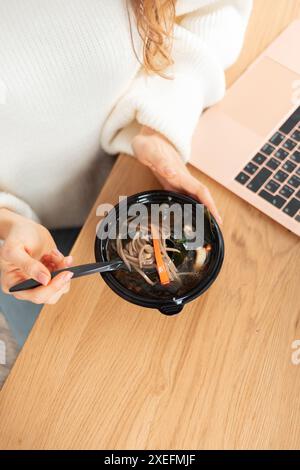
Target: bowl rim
(190, 295)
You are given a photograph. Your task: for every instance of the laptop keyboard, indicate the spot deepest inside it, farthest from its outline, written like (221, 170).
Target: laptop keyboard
(274, 172)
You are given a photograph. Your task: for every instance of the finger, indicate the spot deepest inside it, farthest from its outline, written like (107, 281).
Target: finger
(48, 262)
(164, 182)
(10, 278)
(52, 255)
(184, 181)
(51, 300)
(56, 260)
(165, 160)
(31, 267)
(201, 192)
(41, 295)
(55, 298)
(60, 260)
(56, 257)
(66, 262)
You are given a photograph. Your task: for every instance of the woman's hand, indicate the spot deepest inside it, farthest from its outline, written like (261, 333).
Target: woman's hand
(155, 151)
(29, 251)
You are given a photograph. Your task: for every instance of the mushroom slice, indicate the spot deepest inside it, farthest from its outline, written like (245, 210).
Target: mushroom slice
(200, 258)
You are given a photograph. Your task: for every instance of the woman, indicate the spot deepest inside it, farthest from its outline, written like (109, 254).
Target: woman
(81, 76)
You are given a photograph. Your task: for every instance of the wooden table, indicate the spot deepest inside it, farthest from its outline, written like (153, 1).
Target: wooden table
(97, 372)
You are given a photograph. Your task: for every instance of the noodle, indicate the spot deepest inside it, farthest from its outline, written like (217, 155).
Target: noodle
(183, 268)
(138, 253)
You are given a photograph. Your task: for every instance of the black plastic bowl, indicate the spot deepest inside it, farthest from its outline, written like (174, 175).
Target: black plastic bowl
(166, 306)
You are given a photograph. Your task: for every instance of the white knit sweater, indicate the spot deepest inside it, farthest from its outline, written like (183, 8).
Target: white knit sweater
(72, 89)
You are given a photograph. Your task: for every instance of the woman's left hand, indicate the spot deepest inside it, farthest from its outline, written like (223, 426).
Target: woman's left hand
(155, 151)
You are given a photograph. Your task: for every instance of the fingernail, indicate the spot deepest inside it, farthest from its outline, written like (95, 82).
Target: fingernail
(219, 220)
(56, 252)
(43, 278)
(68, 260)
(169, 171)
(67, 276)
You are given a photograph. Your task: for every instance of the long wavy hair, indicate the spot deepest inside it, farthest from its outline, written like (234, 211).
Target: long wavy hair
(155, 21)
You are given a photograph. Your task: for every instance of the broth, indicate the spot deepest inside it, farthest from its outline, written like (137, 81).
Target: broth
(142, 279)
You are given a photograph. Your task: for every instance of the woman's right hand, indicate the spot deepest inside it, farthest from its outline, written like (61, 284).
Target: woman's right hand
(29, 251)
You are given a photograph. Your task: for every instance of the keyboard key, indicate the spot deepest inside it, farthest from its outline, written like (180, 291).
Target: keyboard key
(275, 200)
(286, 191)
(281, 154)
(298, 171)
(291, 122)
(272, 186)
(294, 181)
(298, 194)
(289, 166)
(289, 144)
(242, 178)
(296, 135)
(259, 180)
(292, 207)
(297, 218)
(277, 138)
(281, 176)
(273, 163)
(268, 149)
(259, 159)
(296, 156)
(251, 168)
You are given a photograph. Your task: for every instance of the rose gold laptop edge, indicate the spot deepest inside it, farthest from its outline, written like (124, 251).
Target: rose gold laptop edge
(248, 141)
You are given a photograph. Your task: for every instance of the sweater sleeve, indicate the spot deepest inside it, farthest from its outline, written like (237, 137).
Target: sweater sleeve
(13, 203)
(208, 38)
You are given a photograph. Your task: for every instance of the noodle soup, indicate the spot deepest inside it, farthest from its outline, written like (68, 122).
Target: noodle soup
(159, 272)
(185, 267)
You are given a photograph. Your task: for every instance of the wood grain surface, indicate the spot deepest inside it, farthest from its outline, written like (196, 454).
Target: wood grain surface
(100, 373)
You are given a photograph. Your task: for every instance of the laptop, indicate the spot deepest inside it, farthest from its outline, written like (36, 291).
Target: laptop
(250, 141)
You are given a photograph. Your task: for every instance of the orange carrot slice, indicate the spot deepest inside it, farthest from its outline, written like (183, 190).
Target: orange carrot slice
(161, 268)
